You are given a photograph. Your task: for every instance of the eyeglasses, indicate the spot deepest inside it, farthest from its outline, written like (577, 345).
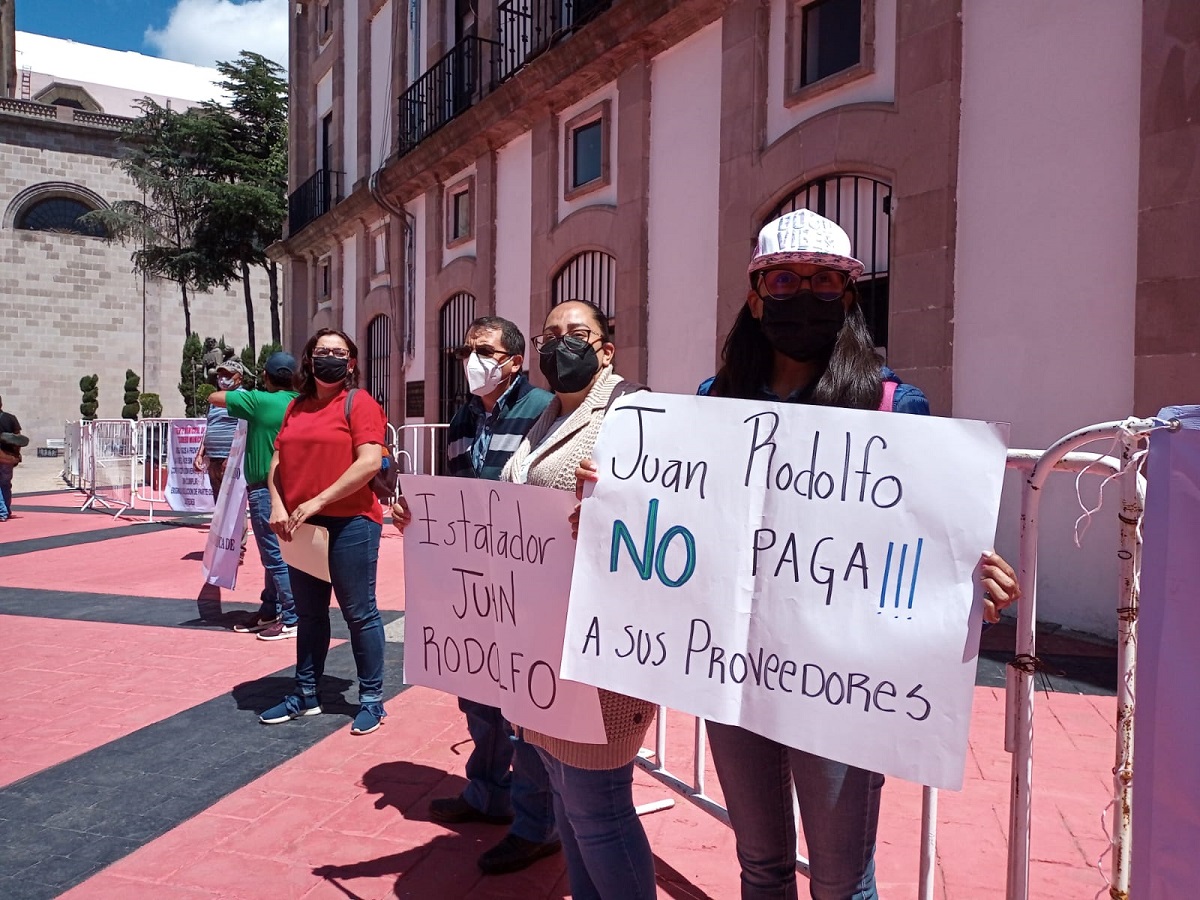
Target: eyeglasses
(576, 338)
(319, 352)
(483, 351)
(784, 284)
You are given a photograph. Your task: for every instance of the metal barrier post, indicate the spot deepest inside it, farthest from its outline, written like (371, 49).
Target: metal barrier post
(1129, 554)
(929, 805)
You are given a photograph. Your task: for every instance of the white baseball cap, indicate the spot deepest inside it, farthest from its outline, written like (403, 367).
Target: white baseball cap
(804, 237)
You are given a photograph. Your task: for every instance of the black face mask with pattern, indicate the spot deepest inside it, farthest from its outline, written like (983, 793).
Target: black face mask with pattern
(803, 328)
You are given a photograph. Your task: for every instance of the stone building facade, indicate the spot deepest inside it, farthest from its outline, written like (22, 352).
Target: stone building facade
(70, 303)
(1014, 176)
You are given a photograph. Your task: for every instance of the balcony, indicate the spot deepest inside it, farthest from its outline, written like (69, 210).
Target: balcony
(527, 28)
(454, 84)
(475, 66)
(313, 199)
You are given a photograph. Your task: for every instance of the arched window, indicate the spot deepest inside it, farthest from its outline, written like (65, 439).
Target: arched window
(591, 276)
(456, 314)
(59, 214)
(379, 361)
(862, 206)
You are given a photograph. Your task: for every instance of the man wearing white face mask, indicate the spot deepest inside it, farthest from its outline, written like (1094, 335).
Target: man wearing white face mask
(482, 436)
(218, 432)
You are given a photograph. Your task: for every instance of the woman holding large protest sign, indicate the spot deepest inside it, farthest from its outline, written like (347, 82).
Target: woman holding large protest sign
(608, 855)
(801, 338)
(329, 448)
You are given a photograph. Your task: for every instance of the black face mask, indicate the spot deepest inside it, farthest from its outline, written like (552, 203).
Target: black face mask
(330, 369)
(803, 328)
(569, 364)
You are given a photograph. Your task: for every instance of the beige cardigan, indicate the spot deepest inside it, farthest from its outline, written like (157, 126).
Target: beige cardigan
(552, 464)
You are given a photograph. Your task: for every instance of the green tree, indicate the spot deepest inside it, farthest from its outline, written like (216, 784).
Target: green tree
(132, 395)
(264, 354)
(250, 380)
(245, 144)
(151, 406)
(164, 155)
(191, 373)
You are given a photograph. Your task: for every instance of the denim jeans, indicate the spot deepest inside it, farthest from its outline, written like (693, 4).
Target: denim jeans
(353, 558)
(608, 855)
(277, 583)
(839, 809)
(6, 475)
(493, 789)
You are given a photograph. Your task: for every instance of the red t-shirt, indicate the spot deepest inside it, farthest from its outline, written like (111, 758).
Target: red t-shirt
(316, 445)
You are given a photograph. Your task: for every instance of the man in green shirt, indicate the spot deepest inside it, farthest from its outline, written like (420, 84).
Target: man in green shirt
(264, 411)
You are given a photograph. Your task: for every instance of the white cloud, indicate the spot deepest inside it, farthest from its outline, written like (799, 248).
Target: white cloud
(202, 32)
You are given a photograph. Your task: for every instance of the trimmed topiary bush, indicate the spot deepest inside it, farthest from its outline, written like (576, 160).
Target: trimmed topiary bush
(89, 386)
(132, 407)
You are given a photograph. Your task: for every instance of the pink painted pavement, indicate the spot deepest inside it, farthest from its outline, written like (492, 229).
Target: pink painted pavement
(346, 818)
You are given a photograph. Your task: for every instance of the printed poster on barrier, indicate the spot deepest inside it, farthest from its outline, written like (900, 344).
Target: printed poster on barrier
(187, 489)
(223, 551)
(805, 572)
(1166, 730)
(487, 570)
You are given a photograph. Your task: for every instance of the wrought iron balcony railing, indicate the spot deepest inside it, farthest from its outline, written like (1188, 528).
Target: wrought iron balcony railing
(456, 82)
(313, 199)
(527, 28)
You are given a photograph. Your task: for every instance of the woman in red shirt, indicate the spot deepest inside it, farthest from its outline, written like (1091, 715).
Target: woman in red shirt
(325, 457)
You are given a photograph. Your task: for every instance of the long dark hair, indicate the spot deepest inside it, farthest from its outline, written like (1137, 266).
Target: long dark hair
(851, 378)
(306, 382)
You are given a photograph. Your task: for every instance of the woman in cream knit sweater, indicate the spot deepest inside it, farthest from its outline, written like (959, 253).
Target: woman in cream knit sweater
(608, 855)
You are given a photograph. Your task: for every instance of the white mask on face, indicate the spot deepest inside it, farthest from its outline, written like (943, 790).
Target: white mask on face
(483, 375)
(225, 383)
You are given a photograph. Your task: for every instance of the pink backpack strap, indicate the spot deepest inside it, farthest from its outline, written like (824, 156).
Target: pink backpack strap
(889, 396)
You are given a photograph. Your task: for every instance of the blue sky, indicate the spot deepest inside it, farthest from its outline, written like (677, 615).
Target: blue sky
(116, 24)
(195, 31)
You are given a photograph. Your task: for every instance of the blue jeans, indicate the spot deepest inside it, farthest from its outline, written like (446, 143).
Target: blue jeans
(353, 558)
(608, 855)
(6, 474)
(277, 583)
(493, 789)
(839, 809)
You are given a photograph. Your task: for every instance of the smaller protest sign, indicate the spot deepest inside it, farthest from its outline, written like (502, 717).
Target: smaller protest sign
(223, 552)
(487, 571)
(308, 550)
(187, 489)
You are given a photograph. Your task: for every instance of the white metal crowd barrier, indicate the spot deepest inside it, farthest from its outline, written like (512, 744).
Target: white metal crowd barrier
(417, 446)
(110, 459)
(1059, 457)
(73, 446)
(153, 447)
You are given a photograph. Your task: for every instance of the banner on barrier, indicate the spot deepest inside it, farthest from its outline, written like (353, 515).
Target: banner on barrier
(187, 489)
(487, 570)
(807, 573)
(1166, 729)
(223, 551)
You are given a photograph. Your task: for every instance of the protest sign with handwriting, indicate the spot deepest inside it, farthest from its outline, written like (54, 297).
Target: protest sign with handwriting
(487, 571)
(807, 573)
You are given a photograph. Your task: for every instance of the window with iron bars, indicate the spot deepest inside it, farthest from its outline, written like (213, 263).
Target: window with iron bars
(592, 276)
(456, 314)
(862, 206)
(379, 361)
